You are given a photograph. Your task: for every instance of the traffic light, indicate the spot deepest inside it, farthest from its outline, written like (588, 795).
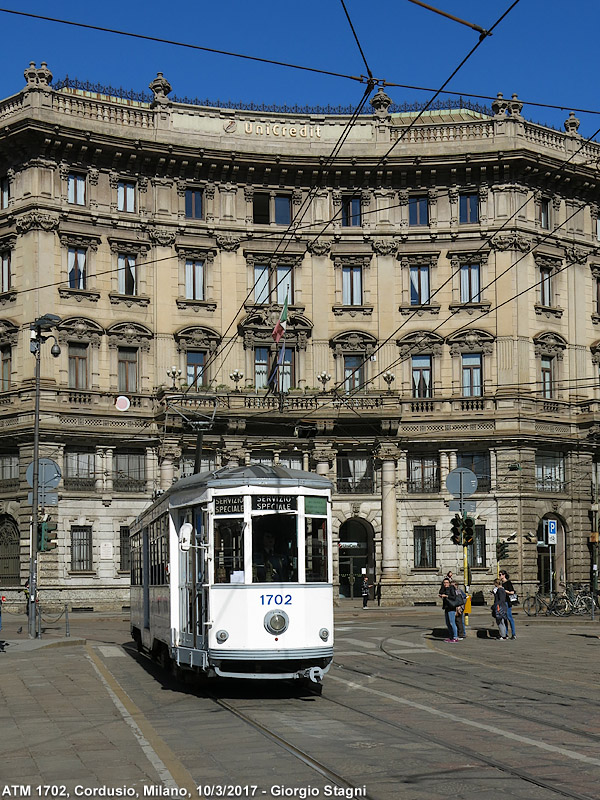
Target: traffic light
(456, 529)
(48, 536)
(469, 530)
(501, 550)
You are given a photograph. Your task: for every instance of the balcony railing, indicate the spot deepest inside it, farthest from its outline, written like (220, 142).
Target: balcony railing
(427, 486)
(351, 486)
(77, 483)
(550, 484)
(125, 484)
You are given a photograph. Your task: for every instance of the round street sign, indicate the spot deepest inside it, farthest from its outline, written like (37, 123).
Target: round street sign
(49, 474)
(468, 479)
(122, 403)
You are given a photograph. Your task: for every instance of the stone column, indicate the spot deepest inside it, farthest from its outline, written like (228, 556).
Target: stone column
(390, 577)
(323, 458)
(169, 456)
(99, 469)
(108, 470)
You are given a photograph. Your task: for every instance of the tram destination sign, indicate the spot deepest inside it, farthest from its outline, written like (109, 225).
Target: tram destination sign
(229, 504)
(274, 502)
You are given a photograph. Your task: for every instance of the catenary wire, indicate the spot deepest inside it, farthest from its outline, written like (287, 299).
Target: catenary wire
(360, 79)
(356, 39)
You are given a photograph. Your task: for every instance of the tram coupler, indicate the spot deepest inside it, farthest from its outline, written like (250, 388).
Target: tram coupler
(315, 674)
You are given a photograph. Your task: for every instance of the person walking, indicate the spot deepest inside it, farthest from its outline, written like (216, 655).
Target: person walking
(460, 610)
(449, 603)
(511, 595)
(499, 608)
(365, 591)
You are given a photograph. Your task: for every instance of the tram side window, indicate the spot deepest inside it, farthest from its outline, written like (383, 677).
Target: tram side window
(229, 550)
(158, 552)
(316, 550)
(136, 560)
(274, 548)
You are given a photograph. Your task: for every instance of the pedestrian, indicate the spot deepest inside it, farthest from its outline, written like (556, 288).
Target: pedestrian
(460, 610)
(364, 589)
(25, 591)
(448, 576)
(511, 598)
(449, 603)
(499, 608)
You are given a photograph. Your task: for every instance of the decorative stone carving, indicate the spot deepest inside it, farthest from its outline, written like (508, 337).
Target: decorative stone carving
(129, 334)
(77, 240)
(453, 194)
(365, 198)
(471, 341)
(549, 344)
(161, 236)
(182, 186)
(408, 260)
(340, 261)
(572, 124)
(257, 328)
(142, 183)
(209, 191)
(385, 247)
(160, 88)
(468, 257)
(403, 197)
(322, 454)
(297, 197)
(483, 191)
(197, 338)
(8, 241)
(319, 247)
(336, 197)
(80, 329)
(93, 175)
(228, 242)
(544, 261)
(37, 77)
(595, 348)
(353, 342)
(514, 106)
(36, 220)
(576, 255)
(387, 451)
(380, 103)
(513, 240)
(9, 332)
(195, 253)
(499, 105)
(128, 246)
(248, 193)
(64, 170)
(420, 342)
(113, 179)
(556, 201)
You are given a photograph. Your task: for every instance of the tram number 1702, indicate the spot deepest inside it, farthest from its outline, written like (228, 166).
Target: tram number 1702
(276, 599)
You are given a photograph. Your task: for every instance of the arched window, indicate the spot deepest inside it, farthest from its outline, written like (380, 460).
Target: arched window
(9, 552)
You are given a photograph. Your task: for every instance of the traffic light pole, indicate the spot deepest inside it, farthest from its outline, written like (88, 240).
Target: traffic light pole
(35, 518)
(463, 514)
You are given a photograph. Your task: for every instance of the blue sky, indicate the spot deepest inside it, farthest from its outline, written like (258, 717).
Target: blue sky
(540, 51)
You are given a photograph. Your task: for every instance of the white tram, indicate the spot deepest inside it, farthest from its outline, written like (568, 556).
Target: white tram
(231, 574)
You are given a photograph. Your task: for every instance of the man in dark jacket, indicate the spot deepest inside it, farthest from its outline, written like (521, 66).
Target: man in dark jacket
(449, 604)
(511, 593)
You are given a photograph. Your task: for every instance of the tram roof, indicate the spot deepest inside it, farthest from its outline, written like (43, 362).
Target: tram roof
(187, 489)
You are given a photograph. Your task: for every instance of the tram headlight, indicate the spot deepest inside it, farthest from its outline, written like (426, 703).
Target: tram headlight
(222, 636)
(276, 622)
(324, 634)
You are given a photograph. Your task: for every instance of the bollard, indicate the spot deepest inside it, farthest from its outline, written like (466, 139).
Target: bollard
(67, 631)
(38, 620)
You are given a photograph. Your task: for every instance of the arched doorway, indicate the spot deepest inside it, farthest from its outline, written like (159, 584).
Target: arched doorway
(551, 553)
(357, 556)
(10, 567)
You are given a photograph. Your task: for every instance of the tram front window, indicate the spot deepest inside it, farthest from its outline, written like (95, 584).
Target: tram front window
(229, 551)
(274, 548)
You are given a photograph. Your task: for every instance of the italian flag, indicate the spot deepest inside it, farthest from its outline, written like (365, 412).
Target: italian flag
(279, 329)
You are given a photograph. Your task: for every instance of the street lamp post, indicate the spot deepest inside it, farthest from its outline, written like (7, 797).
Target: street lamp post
(42, 324)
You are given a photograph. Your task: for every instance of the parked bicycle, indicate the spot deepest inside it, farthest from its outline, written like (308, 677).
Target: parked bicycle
(580, 599)
(537, 603)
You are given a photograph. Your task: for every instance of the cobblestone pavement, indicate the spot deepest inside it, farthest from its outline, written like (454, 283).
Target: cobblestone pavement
(402, 714)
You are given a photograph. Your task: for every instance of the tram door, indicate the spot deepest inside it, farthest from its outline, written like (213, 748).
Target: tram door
(192, 579)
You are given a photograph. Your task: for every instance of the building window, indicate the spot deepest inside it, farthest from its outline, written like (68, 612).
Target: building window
(550, 472)
(195, 368)
(127, 369)
(479, 463)
(355, 474)
(472, 382)
(76, 258)
(352, 286)
(261, 367)
(419, 286)
(468, 208)
(126, 196)
(4, 192)
(287, 376)
(421, 376)
(263, 457)
(188, 463)
(424, 546)
(418, 212)
(476, 551)
(545, 213)
(6, 361)
(193, 203)
(469, 283)
(546, 286)
(81, 548)
(78, 366)
(283, 284)
(129, 472)
(423, 474)
(547, 377)
(291, 460)
(80, 472)
(124, 549)
(9, 470)
(267, 208)
(351, 212)
(126, 275)
(5, 276)
(194, 279)
(76, 189)
(354, 373)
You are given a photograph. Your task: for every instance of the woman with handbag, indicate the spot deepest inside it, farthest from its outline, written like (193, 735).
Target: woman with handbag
(500, 608)
(512, 598)
(450, 603)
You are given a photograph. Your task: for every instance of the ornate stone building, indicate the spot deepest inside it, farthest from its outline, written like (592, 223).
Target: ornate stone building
(443, 282)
